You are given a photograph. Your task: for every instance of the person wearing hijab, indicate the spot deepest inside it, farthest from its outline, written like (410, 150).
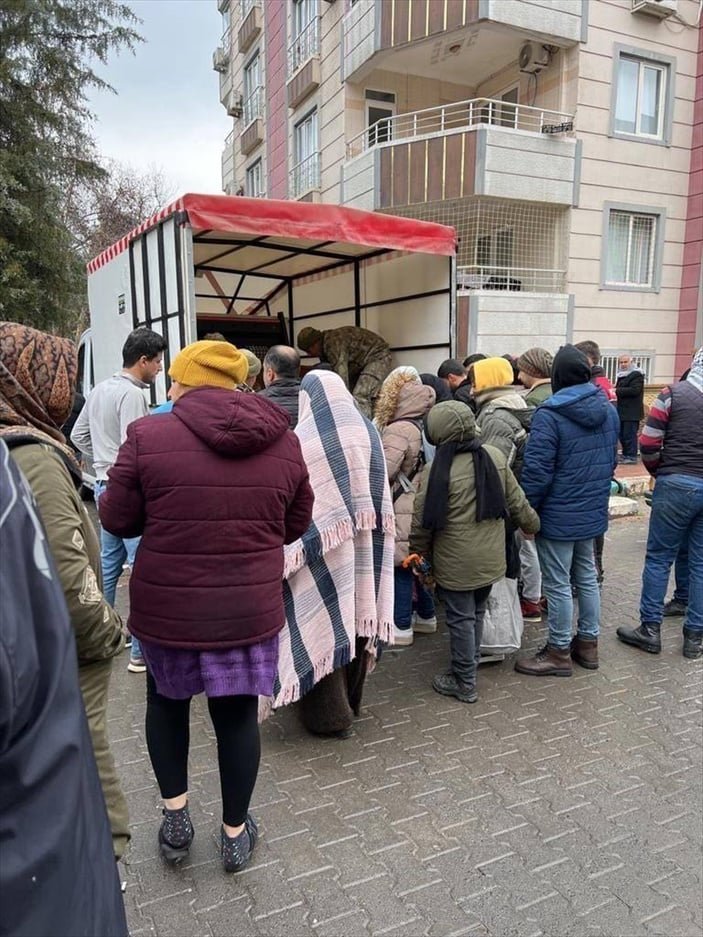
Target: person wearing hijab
(459, 527)
(401, 407)
(37, 383)
(569, 462)
(205, 594)
(672, 452)
(338, 586)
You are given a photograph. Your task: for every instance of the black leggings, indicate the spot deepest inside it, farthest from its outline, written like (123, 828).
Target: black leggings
(235, 720)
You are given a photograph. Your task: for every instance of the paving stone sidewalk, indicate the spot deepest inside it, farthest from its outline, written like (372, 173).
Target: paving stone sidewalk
(552, 806)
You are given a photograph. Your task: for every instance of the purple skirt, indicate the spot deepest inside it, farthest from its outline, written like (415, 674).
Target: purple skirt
(180, 673)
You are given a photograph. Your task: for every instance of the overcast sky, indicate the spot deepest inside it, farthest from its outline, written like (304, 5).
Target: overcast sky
(167, 111)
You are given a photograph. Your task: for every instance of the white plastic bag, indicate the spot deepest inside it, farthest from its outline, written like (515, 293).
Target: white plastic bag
(503, 624)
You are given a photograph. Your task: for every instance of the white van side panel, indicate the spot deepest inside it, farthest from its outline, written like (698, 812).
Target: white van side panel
(110, 303)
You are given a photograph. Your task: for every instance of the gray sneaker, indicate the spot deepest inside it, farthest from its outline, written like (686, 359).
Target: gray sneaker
(448, 685)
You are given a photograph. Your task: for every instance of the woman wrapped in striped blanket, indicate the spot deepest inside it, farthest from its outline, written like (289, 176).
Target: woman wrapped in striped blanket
(338, 585)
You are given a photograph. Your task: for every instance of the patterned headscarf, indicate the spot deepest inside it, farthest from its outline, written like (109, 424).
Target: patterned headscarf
(695, 375)
(37, 382)
(537, 362)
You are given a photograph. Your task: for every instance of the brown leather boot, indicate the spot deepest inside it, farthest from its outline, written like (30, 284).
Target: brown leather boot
(584, 651)
(549, 662)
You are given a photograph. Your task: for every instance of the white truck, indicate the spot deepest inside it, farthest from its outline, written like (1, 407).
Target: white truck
(259, 270)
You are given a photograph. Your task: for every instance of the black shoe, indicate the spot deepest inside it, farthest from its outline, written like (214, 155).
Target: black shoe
(448, 685)
(647, 637)
(176, 834)
(675, 608)
(236, 850)
(692, 643)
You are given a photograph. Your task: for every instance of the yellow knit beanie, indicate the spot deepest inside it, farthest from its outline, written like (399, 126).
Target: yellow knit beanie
(491, 372)
(209, 364)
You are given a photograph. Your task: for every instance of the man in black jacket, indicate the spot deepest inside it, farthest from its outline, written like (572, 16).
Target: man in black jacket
(629, 389)
(282, 379)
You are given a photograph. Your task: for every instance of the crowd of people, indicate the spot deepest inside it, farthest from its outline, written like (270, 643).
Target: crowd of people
(283, 530)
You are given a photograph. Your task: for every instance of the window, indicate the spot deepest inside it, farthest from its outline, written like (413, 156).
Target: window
(642, 95)
(305, 174)
(380, 108)
(305, 33)
(254, 180)
(252, 89)
(632, 245)
(247, 7)
(642, 360)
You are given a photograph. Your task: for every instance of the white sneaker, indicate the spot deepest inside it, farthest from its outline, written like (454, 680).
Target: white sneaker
(424, 625)
(403, 637)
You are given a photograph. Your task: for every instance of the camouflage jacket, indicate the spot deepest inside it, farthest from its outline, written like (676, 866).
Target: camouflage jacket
(350, 350)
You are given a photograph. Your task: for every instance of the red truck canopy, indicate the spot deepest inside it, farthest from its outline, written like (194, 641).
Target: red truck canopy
(304, 237)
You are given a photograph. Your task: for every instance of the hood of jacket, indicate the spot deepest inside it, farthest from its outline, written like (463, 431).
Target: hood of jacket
(414, 401)
(494, 398)
(230, 422)
(450, 422)
(584, 404)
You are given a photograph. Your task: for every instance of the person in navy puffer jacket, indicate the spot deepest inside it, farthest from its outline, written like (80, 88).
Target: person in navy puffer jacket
(570, 458)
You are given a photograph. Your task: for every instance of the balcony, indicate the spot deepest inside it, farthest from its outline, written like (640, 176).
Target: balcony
(253, 109)
(412, 37)
(304, 63)
(477, 147)
(228, 163)
(304, 179)
(251, 24)
(493, 322)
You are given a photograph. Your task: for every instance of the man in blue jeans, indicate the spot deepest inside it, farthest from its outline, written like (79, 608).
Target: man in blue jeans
(672, 451)
(570, 458)
(99, 432)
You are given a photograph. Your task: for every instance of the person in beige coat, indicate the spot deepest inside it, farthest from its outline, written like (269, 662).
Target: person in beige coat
(401, 406)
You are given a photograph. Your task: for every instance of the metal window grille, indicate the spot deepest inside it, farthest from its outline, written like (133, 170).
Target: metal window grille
(503, 244)
(306, 35)
(253, 90)
(630, 247)
(247, 6)
(643, 360)
(305, 175)
(254, 180)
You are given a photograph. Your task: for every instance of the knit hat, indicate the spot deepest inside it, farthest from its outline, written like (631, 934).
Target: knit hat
(491, 372)
(570, 367)
(252, 361)
(209, 364)
(308, 337)
(537, 362)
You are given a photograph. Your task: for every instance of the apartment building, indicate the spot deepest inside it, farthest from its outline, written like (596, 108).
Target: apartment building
(556, 136)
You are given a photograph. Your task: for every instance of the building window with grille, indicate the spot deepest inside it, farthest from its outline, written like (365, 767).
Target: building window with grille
(632, 247)
(305, 174)
(642, 101)
(305, 33)
(252, 92)
(254, 180)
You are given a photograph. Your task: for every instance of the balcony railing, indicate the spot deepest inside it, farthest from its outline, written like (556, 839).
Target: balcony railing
(513, 279)
(304, 46)
(253, 105)
(304, 176)
(246, 6)
(458, 117)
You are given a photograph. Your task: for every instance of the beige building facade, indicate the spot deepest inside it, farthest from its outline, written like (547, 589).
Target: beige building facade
(556, 136)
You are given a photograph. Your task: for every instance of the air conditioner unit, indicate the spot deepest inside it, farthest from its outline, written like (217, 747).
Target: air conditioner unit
(533, 58)
(235, 109)
(220, 59)
(659, 8)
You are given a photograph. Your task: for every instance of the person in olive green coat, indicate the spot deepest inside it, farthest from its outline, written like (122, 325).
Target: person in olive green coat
(459, 527)
(37, 378)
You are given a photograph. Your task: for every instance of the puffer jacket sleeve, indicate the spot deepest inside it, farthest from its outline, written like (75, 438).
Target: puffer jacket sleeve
(121, 505)
(420, 537)
(540, 458)
(395, 447)
(299, 513)
(97, 626)
(521, 514)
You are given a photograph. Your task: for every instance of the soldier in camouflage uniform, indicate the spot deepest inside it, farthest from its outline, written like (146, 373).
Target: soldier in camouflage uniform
(360, 357)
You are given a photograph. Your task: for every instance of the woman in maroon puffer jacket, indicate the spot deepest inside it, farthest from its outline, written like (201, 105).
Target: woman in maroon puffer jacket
(215, 488)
